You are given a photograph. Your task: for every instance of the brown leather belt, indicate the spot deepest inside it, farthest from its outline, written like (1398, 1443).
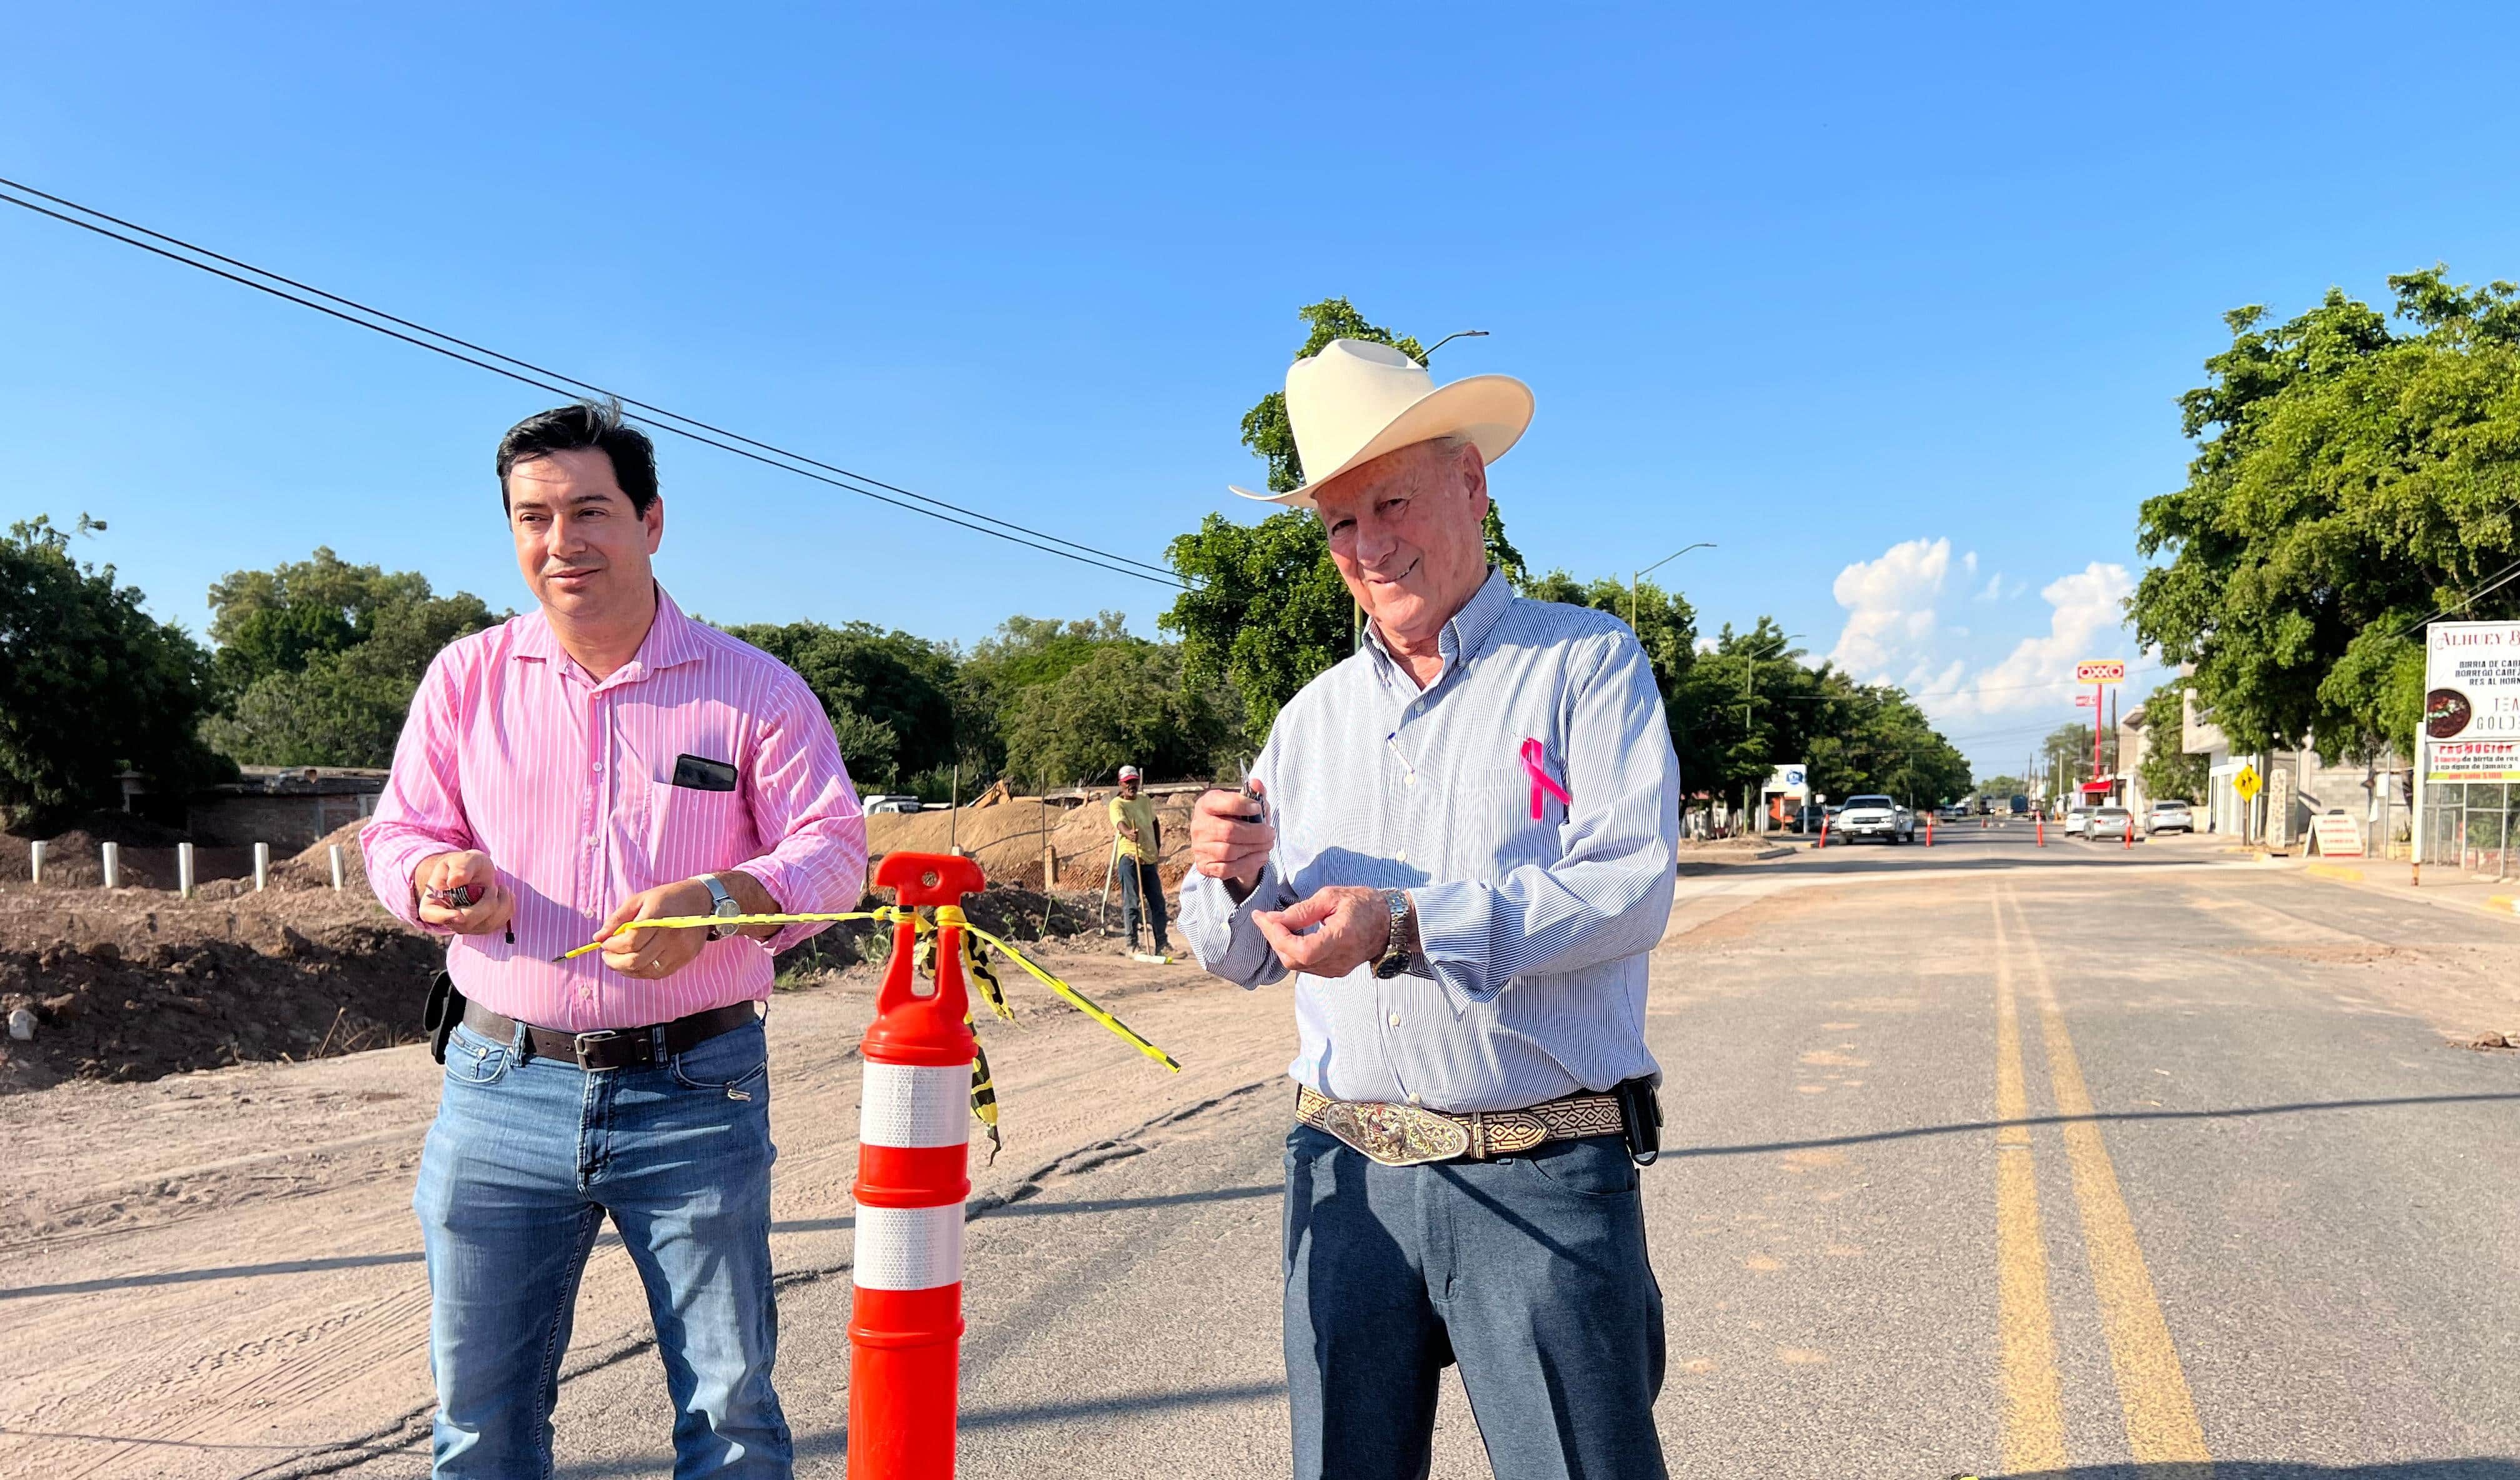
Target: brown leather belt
(614, 1048)
(1408, 1135)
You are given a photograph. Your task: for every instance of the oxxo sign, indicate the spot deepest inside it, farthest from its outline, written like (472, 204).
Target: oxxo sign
(2101, 670)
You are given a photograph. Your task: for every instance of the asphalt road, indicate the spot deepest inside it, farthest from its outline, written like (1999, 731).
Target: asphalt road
(1988, 1159)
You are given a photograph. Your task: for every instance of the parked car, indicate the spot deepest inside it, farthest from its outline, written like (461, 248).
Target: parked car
(874, 804)
(2078, 822)
(1953, 811)
(2169, 817)
(1876, 817)
(2109, 824)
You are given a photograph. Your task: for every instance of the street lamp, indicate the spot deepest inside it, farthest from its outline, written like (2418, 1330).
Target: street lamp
(1639, 576)
(1466, 333)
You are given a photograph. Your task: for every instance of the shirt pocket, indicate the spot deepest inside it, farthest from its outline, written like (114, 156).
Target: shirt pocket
(692, 831)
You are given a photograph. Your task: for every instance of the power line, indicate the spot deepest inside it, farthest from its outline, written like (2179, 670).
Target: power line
(767, 453)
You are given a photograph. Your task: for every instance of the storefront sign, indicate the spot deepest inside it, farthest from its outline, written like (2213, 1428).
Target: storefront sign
(2336, 837)
(2472, 681)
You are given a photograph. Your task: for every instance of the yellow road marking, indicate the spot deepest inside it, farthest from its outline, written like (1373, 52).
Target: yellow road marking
(2161, 1422)
(2033, 1398)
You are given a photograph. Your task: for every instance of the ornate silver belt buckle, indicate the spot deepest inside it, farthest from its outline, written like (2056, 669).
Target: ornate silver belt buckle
(1395, 1135)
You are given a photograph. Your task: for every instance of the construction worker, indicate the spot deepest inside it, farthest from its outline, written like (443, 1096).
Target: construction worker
(1138, 848)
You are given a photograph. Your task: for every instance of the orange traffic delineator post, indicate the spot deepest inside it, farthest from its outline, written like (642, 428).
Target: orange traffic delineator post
(913, 1174)
(1929, 829)
(2042, 822)
(2129, 842)
(1824, 831)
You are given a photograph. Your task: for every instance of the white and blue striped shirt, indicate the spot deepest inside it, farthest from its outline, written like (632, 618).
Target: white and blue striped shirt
(1532, 983)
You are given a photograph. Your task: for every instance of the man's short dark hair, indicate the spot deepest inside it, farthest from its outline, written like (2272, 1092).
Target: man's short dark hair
(587, 423)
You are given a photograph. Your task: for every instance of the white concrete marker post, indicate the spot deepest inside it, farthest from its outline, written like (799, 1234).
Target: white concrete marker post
(261, 866)
(184, 870)
(111, 858)
(35, 863)
(334, 852)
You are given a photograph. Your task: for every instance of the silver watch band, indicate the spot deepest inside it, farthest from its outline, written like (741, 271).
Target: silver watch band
(721, 903)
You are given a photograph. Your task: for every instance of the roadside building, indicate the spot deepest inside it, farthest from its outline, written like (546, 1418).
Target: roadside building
(2294, 786)
(288, 807)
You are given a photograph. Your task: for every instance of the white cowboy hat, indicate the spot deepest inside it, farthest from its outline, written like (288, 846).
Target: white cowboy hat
(1357, 400)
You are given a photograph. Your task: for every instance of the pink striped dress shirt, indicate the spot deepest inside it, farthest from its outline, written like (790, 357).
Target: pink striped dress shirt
(569, 785)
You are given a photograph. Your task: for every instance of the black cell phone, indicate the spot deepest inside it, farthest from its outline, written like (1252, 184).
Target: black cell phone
(701, 774)
(1640, 1117)
(444, 1010)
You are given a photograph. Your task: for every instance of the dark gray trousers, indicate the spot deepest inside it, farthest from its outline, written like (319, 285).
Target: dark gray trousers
(1529, 1270)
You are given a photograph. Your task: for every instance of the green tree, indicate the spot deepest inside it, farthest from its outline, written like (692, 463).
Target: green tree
(2067, 753)
(2353, 478)
(1241, 630)
(889, 695)
(1265, 610)
(2167, 770)
(1024, 651)
(89, 682)
(1128, 704)
(318, 658)
(1997, 789)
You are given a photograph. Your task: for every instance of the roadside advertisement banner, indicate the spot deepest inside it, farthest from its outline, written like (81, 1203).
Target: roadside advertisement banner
(2472, 761)
(2336, 837)
(2472, 681)
(2471, 725)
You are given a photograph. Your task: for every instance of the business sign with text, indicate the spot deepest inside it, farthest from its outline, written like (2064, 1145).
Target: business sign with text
(2101, 670)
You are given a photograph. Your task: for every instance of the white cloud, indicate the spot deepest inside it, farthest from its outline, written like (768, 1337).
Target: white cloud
(2086, 620)
(1999, 587)
(1890, 608)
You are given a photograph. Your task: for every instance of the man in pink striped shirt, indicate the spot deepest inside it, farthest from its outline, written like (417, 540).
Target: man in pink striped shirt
(600, 761)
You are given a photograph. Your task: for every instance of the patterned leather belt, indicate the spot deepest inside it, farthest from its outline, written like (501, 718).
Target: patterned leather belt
(1408, 1135)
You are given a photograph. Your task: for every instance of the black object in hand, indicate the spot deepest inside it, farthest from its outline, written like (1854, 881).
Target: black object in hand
(461, 897)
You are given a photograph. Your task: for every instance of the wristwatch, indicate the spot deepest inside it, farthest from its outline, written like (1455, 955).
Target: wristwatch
(1395, 946)
(722, 905)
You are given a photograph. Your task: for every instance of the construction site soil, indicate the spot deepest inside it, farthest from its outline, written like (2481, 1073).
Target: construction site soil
(136, 982)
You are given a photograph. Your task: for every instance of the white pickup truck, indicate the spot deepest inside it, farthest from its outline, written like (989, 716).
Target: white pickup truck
(1874, 817)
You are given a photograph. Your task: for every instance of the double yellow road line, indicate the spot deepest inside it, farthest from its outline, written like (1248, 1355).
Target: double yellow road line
(2152, 1389)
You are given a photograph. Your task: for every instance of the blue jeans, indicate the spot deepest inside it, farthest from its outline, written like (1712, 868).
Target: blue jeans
(1529, 1271)
(526, 1159)
(1142, 890)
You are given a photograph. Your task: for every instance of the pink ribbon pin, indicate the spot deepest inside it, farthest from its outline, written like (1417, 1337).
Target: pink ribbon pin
(1532, 756)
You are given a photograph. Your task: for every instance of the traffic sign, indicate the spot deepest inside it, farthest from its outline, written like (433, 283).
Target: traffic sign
(2245, 782)
(2101, 670)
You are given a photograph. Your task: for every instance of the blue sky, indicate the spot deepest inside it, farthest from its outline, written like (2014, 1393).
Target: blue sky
(1894, 308)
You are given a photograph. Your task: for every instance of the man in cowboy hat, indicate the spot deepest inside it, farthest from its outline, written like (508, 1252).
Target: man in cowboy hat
(1137, 852)
(1462, 843)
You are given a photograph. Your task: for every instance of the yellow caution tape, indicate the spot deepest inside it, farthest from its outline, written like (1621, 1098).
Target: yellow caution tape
(952, 914)
(946, 915)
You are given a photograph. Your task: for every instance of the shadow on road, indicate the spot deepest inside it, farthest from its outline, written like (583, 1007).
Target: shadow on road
(1028, 1208)
(2478, 1468)
(1964, 1127)
(834, 1442)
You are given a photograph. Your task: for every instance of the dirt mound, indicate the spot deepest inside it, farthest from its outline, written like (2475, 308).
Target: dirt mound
(106, 1012)
(1006, 839)
(75, 859)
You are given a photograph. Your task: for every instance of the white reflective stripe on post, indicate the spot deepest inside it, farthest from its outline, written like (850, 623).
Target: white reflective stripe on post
(907, 1248)
(914, 1106)
(113, 856)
